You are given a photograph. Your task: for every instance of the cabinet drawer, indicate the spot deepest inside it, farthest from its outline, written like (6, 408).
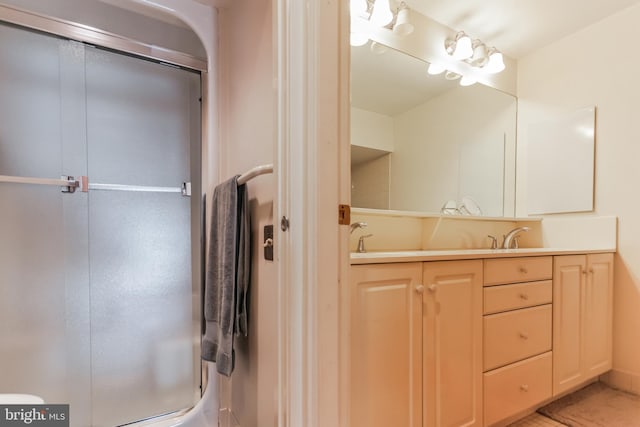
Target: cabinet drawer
(511, 297)
(516, 335)
(514, 270)
(516, 387)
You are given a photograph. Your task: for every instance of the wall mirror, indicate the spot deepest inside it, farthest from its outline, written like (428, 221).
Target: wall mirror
(423, 143)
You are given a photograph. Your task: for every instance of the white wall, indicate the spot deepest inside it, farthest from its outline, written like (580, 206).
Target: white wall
(599, 66)
(445, 145)
(371, 130)
(247, 122)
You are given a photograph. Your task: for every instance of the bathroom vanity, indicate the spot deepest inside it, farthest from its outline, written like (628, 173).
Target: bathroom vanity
(474, 337)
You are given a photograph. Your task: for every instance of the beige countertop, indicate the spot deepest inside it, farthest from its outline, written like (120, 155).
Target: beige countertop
(457, 254)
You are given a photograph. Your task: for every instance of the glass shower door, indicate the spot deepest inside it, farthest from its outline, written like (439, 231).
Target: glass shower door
(43, 298)
(138, 132)
(99, 305)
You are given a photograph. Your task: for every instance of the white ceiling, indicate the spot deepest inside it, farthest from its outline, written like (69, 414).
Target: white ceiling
(145, 10)
(518, 27)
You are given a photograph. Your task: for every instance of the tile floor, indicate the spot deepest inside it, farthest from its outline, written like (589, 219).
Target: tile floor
(536, 420)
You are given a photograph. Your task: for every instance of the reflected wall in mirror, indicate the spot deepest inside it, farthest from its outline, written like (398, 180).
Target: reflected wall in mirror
(423, 142)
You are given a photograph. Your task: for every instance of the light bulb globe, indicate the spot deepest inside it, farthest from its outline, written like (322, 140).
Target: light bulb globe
(381, 15)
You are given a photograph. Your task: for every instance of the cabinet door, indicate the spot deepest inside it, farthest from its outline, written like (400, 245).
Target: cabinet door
(598, 314)
(453, 344)
(582, 318)
(386, 345)
(568, 277)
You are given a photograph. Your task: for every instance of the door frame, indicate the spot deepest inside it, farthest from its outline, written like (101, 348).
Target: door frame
(312, 152)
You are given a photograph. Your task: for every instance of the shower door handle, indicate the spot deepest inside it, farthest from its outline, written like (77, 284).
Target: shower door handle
(68, 183)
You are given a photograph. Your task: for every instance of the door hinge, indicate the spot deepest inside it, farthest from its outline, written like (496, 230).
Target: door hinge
(344, 214)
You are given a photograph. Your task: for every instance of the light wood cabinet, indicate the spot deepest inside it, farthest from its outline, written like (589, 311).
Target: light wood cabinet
(386, 345)
(453, 343)
(474, 342)
(416, 342)
(517, 340)
(516, 335)
(582, 318)
(515, 387)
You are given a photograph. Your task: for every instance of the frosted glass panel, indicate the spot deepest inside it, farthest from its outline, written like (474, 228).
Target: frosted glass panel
(32, 292)
(137, 120)
(29, 104)
(141, 317)
(139, 132)
(32, 278)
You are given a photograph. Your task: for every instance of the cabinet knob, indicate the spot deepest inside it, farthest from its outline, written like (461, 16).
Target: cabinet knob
(432, 288)
(419, 289)
(523, 270)
(524, 387)
(524, 336)
(524, 296)
(591, 270)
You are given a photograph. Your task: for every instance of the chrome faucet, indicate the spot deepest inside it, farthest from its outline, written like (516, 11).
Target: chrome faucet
(361, 248)
(510, 240)
(357, 225)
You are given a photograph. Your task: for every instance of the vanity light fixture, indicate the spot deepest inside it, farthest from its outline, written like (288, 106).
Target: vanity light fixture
(435, 69)
(358, 39)
(450, 75)
(381, 15)
(480, 54)
(402, 26)
(368, 14)
(459, 48)
(467, 81)
(495, 63)
(378, 48)
(359, 31)
(358, 7)
(475, 53)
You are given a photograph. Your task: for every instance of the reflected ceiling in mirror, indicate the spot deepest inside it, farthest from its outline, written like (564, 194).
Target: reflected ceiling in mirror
(423, 142)
(392, 82)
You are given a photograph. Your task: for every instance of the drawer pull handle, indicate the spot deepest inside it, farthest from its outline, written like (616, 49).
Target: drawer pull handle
(524, 336)
(524, 387)
(432, 288)
(524, 296)
(523, 270)
(419, 289)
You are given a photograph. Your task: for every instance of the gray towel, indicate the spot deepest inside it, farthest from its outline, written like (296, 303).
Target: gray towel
(226, 295)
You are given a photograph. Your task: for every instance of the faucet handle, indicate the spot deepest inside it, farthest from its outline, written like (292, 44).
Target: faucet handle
(355, 225)
(494, 241)
(361, 248)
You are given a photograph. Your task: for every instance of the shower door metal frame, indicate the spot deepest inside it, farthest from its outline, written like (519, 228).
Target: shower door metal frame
(93, 36)
(97, 37)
